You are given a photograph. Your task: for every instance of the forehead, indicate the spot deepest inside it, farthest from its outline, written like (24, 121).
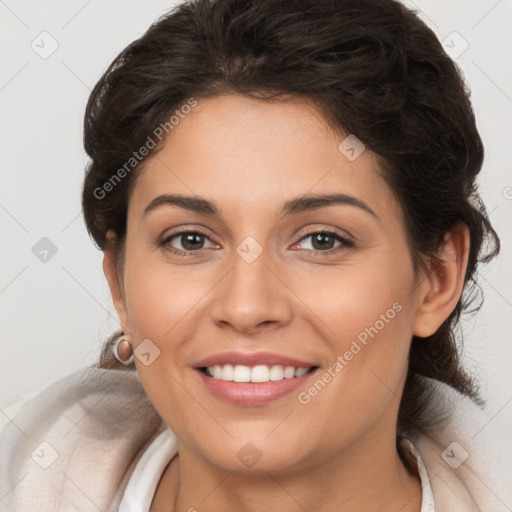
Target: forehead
(247, 153)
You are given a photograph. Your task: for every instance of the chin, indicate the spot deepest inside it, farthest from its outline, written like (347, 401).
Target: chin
(260, 456)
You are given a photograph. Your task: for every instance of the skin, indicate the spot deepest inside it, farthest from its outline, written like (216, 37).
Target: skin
(251, 156)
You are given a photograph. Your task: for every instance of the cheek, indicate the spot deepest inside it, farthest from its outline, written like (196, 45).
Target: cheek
(375, 323)
(368, 309)
(362, 300)
(159, 296)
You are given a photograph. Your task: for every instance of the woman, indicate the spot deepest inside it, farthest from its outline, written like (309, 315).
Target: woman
(285, 195)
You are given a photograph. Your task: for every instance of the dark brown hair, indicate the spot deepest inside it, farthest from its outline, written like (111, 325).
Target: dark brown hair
(376, 71)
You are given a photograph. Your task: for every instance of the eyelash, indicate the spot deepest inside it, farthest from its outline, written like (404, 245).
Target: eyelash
(346, 243)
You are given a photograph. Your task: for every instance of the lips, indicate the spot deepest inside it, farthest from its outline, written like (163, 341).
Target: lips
(242, 392)
(249, 394)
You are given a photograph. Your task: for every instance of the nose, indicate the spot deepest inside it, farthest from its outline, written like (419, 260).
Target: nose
(251, 297)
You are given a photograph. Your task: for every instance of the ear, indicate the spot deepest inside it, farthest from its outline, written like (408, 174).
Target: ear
(440, 290)
(114, 283)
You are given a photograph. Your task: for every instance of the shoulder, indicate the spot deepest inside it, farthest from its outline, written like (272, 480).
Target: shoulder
(75, 442)
(456, 457)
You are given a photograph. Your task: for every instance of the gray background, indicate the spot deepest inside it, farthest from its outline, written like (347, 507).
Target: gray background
(56, 313)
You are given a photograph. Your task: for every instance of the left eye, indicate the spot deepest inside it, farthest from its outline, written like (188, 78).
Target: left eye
(322, 241)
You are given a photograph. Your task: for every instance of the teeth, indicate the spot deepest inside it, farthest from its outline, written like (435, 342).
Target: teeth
(241, 374)
(299, 372)
(259, 373)
(217, 371)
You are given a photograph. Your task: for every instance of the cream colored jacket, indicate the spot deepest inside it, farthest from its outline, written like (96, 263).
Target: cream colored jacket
(73, 447)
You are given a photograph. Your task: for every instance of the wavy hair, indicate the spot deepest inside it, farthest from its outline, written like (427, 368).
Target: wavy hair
(374, 69)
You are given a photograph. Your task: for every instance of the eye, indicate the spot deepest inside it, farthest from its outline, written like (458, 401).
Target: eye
(188, 241)
(191, 242)
(323, 241)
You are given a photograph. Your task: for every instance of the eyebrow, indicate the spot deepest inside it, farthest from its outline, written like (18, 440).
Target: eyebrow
(290, 207)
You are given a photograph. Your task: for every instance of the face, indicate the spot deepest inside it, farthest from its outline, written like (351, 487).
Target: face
(328, 284)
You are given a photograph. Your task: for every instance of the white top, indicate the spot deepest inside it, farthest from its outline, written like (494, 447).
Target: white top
(142, 485)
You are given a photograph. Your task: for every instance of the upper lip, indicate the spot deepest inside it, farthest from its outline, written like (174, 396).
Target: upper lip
(251, 359)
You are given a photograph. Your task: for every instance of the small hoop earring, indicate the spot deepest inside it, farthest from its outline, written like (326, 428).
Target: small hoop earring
(125, 349)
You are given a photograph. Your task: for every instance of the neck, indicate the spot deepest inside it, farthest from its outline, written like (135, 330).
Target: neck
(373, 479)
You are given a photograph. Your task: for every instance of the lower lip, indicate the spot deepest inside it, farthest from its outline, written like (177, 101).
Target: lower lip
(253, 393)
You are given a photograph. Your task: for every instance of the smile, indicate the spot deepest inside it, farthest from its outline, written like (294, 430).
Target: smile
(234, 383)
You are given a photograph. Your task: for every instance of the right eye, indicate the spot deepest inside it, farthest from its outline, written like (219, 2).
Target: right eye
(190, 241)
